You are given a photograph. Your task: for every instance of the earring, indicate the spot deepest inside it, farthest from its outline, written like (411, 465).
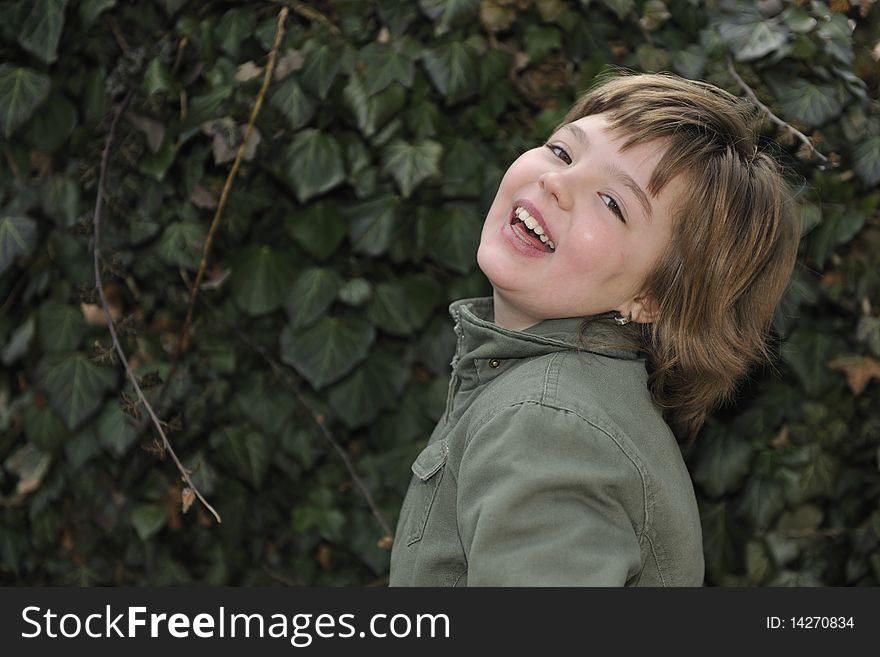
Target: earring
(621, 320)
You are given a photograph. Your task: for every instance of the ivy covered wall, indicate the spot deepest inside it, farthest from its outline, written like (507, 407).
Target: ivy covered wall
(301, 380)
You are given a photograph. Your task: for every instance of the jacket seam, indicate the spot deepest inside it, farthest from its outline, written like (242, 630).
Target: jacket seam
(656, 561)
(551, 377)
(495, 411)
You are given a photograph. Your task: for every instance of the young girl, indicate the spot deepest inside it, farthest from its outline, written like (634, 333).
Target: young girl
(636, 260)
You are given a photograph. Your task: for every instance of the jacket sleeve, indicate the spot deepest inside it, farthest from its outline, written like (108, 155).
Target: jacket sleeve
(546, 498)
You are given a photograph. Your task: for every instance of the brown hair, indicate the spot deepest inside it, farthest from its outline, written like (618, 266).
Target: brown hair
(734, 238)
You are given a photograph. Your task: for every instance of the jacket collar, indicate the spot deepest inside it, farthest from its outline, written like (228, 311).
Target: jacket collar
(480, 338)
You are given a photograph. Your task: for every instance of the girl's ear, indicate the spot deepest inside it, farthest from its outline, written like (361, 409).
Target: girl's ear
(643, 309)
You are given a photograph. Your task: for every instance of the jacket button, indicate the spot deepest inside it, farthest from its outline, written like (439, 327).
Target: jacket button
(494, 363)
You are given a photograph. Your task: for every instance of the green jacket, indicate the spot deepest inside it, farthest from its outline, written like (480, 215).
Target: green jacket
(550, 467)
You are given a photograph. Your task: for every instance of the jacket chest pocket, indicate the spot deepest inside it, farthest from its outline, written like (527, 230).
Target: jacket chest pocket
(428, 470)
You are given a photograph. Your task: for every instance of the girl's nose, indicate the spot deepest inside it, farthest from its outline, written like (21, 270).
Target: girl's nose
(555, 184)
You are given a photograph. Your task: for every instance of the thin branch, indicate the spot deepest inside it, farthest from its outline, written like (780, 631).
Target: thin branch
(183, 339)
(775, 119)
(105, 157)
(183, 342)
(10, 160)
(312, 14)
(319, 419)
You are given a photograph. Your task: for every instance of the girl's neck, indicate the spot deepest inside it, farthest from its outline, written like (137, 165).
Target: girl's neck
(509, 316)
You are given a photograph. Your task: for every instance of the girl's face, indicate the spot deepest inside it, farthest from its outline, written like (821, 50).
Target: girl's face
(604, 232)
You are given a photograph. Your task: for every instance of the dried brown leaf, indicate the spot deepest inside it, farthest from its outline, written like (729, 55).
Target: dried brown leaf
(187, 497)
(153, 130)
(289, 62)
(247, 71)
(859, 370)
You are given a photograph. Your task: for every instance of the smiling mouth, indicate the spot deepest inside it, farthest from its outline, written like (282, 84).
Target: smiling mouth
(530, 231)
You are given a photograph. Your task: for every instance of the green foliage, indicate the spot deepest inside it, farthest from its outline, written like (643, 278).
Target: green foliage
(350, 227)
(21, 92)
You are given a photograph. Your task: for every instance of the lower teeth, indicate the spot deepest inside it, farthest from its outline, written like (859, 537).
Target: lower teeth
(530, 236)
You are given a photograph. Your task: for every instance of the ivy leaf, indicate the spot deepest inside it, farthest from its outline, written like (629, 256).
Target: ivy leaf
(808, 351)
(42, 427)
(751, 36)
(268, 407)
(401, 307)
(718, 547)
(818, 476)
(260, 276)
(41, 30)
(804, 101)
(21, 92)
(116, 430)
(369, 112)
(157, 77)
(181, 244)
(75, 385)
(410, 164)
(326, 351)
(147, 519)
(30, 465)
(453, 70)
(204, 107)
(81, 448)
(311, 295)
(372, 223)
(18, 344)
(837, 227)
(59, 326)
(289, 99)
(540, 40)
(761, 500)
(356, 292)
(866, 160)
(89, 10)
(449, 13)
(233, 28)
(319, 228)
(320, 69)
(314, 164)
(385, 65)
(651, 58)
(375, 385)
(798, 19)
(621, 8)
(249, 452)
(18, 235)
(724, 461)
(689, 62)
(452, 235)
(836, 35)
(463, 170)
(51, 126)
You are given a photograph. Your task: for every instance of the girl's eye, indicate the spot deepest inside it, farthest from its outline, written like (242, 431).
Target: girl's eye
(612, 204)
(556, 150)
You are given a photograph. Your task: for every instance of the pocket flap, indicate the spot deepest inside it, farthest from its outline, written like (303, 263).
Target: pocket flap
(430, 460)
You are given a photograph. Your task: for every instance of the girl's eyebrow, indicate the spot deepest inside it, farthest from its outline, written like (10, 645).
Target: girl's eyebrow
(613, 170)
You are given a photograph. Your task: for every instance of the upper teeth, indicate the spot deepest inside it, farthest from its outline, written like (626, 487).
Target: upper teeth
(533, 225)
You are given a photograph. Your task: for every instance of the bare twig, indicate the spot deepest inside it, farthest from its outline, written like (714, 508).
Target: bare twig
(105, 157)
(319, 419)
(13, 166)
(117, 34)
(183, 342)
(775, 119)
(181, 47)
(314, 15)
